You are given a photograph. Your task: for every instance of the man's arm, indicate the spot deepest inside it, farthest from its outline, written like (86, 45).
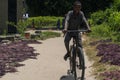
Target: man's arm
(84, 21)
(66, 20)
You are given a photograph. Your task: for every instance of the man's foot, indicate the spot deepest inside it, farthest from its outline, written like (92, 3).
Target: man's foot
(66, 56)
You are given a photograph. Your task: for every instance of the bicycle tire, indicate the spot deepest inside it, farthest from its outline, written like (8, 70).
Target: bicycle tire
(72, 62)
(74, 69)
(81, 67)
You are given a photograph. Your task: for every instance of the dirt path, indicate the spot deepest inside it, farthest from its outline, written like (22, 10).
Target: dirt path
(49, 65)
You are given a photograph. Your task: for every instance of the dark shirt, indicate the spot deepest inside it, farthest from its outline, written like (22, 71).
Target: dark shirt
(75, 22)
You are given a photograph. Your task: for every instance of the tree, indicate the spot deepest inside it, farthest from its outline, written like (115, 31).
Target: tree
(60, 7)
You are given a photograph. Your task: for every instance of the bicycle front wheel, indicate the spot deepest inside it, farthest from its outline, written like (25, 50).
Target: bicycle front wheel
(74, 64)
(70, 71)
(80, 70)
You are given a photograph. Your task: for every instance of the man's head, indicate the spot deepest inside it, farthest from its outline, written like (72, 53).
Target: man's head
(77, 6)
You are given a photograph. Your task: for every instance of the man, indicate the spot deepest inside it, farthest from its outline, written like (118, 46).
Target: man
(75, 20)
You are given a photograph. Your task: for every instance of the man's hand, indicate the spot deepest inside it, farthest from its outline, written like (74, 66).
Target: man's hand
(64, 31)
(89, 31)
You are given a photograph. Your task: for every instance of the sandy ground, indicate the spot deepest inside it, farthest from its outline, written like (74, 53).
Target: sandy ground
(49, 65)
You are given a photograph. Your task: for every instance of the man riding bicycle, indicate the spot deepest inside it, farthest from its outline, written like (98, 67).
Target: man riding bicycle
(75, 20)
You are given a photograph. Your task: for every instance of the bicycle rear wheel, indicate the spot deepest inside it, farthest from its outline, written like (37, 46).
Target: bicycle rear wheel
(80, 64)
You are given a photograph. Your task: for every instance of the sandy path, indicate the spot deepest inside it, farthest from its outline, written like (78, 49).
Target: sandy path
(49, 65)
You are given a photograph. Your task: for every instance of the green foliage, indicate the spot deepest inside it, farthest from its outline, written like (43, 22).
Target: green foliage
(49, 34)
(101, 16)
(114, 21)
(39, 22)
(48, 7)
(22, 26)
(101, 31)
(45, 21)
(115, 36)
(104, 31)
(106, 20)
(98, 17)
(116, 5)
(61, 7)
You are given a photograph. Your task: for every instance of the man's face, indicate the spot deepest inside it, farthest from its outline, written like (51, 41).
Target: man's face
(76, 8)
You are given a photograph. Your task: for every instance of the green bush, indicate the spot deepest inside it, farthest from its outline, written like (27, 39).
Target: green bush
(106, 24)
(101, 17)
(114, 21)
(116, 5)
(22, 26)
(116, 36)
(104, 31)
(45, 21)
(101, 31)
(98, 17)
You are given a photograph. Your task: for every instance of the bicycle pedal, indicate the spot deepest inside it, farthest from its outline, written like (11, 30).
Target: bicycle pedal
(69, 72)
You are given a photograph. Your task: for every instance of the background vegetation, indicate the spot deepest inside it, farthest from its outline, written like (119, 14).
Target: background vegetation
(103, 15)
(106, 23)
(45, 21)
(103, 41)
(61, 7)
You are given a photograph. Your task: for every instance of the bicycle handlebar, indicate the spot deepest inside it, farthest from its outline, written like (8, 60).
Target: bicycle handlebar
(77, 30)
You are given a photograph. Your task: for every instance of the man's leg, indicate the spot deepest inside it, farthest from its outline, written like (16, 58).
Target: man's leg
(80, 45)
(66, 41)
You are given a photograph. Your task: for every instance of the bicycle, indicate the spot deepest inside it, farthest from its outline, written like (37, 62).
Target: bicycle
(76, 59)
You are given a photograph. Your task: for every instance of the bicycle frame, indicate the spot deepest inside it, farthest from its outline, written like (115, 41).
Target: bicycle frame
(73, 56)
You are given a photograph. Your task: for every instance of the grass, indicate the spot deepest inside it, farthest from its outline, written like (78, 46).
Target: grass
(98, 67)
(47, 34)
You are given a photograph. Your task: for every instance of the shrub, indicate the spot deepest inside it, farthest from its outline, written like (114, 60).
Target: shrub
(101, 31)
(44, 21)
(98, 17)
(101, 16)
(106, 24)
(114, 21)
(21, 26)
(116, 5)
